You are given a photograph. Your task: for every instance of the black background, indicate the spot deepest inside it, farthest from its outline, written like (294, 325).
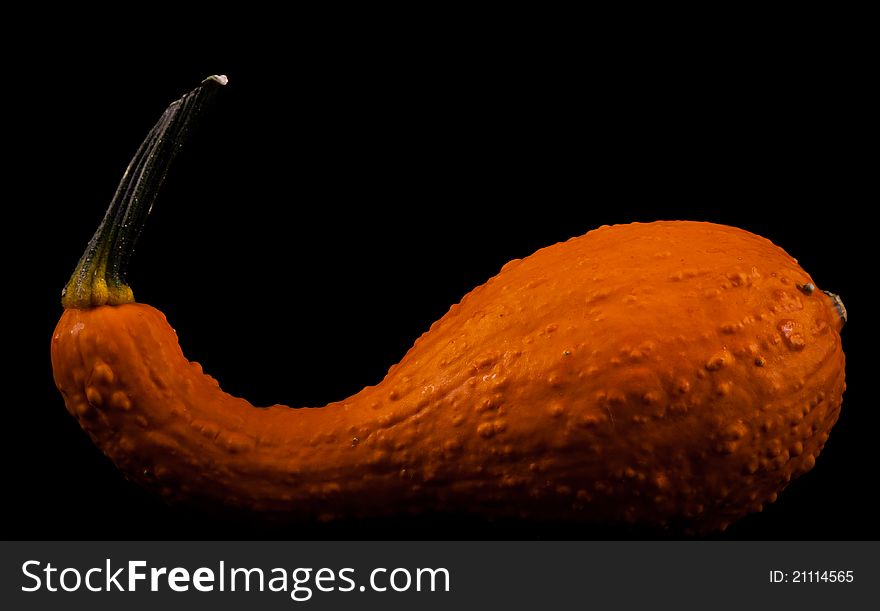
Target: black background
(340, 196)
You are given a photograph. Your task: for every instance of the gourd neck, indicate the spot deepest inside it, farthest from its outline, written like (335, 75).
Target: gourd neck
(99, 277)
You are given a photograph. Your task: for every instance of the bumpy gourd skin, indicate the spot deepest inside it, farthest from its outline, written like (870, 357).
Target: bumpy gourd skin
(670, 373)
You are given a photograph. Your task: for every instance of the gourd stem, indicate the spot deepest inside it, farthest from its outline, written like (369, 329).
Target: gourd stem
(99, 277)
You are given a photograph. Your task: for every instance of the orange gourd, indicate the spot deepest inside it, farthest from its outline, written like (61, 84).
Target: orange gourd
(672, 374)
